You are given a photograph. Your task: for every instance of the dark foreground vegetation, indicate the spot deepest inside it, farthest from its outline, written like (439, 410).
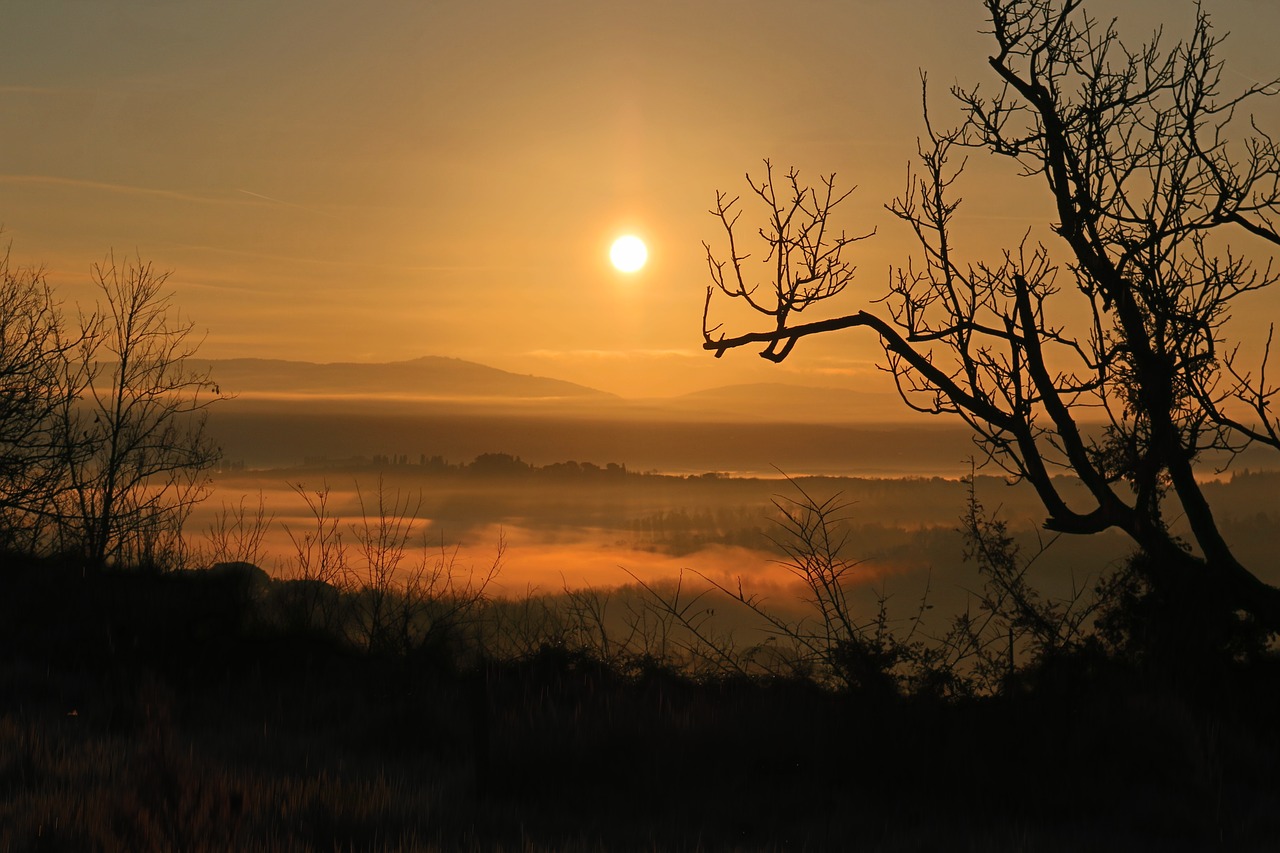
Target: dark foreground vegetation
(197, 710)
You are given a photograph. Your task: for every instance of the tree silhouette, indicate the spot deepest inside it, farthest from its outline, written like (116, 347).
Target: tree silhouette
(33, 347)
(135, 451)
(1139, 153)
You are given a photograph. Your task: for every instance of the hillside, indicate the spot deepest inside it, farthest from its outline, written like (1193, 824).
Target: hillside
(429, 377)
(441, 379)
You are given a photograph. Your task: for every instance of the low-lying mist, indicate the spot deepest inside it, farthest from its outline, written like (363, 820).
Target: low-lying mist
(668, 490)
(572, 525)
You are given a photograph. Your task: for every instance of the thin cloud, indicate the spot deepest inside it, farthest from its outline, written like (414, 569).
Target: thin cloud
(612, 355)
(313, 260)
(270, 199)
(126, 189)
(33, 90)
(282, 203)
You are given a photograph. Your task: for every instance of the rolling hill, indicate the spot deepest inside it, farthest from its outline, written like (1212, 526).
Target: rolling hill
(427, 378)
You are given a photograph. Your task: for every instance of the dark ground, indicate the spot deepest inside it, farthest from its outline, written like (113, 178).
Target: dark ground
(170, 713)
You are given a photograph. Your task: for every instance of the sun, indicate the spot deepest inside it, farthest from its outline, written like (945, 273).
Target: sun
(628, 253)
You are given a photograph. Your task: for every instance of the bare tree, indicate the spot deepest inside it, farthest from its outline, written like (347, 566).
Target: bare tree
(135, 450)
(1150, 168)
(33, 348)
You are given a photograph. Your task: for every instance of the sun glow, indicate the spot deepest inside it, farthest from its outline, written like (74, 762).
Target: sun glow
(628, 253)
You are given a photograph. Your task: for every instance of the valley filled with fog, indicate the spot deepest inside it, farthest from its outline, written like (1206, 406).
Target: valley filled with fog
(589, 499)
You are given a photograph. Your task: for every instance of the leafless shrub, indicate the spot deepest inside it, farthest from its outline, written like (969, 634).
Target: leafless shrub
(392, 591)
(382, 540)
(441, 604)
(517, 628)
(1013, 625)
(682, 620)
(319, 566)
(836, 645)
(236, 533)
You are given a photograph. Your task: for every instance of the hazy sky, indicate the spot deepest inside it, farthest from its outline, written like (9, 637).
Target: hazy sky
(382, 180)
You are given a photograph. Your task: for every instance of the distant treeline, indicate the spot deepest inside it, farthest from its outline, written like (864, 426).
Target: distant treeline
(490, 464)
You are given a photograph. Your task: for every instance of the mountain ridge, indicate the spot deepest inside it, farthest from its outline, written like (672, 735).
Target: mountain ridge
(425, 376)
(449, 380)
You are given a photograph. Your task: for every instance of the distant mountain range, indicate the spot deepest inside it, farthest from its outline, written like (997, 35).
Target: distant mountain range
(435, 379)
(429, 377)
(285, 412)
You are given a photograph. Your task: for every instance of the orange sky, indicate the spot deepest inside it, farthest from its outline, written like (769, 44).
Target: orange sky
(378, 181)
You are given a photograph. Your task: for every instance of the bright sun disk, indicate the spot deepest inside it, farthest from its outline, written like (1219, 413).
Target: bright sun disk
(628, 253)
